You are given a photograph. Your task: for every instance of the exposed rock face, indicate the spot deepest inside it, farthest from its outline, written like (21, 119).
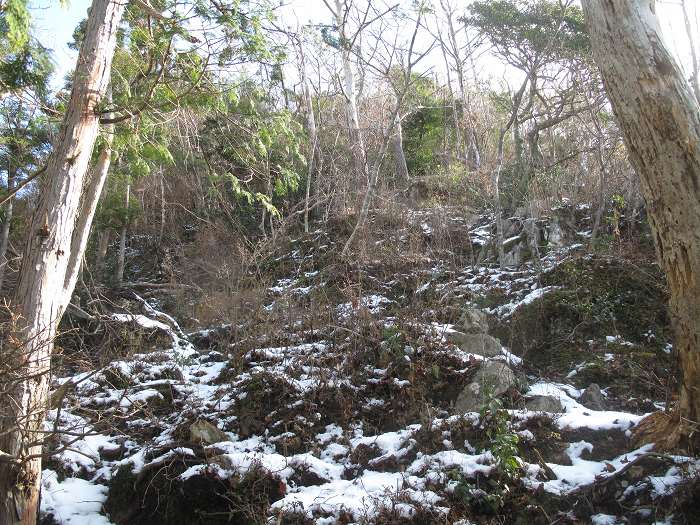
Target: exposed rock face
(474, 321)
(480, 344)
(544, 404)
(562, 227)
(593, 398)
(492, 379)
(201, 431)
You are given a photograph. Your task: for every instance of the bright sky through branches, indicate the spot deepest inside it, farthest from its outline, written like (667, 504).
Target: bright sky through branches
(54, 26)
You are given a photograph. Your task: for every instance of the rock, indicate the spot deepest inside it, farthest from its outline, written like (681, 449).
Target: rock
(521, 382)
(201, 431)
(480, 344)
(592, 398)
(544, 404)
(533, 231)
(562, 227)
(495, 375)
(515, 250)
(474, 321)
(492, 379)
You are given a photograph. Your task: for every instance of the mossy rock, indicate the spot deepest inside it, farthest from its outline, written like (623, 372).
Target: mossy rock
(595, 297)
(161, 497)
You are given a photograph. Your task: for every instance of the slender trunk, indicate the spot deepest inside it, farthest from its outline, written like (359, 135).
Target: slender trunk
(387, 134)
(533, 146)
(5, 235)
(600, 208)
(496, 182)
(399, 156)
(518, 174)
(268, 189)
(496, 176)
(98, 180)
(103, 238)
(475, 154)
(162, 205)
(459, 69)
(121, 256)
(56, 240)
(357, 145)
(602, 168)
(453, 100)
(313, 138)
(367, 200)
(660, 120)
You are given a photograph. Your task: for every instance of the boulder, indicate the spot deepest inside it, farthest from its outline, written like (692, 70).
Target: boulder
(515, 250)
(474, 321)
(593, 398)
(562, 227)
(201, 431)
(480, 344)
(544, 404)
(532, 229)
(492, 379)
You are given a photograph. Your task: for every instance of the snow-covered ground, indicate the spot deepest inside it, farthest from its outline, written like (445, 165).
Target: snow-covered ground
(330, 430)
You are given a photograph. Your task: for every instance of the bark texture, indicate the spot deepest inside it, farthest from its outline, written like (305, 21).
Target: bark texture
(7, 222)
(660, 120)
(56, 244)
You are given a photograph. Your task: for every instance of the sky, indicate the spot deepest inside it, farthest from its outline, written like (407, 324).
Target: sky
(54, 25)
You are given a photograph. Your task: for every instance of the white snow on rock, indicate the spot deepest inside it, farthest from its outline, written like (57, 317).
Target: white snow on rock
(73, 501)
(508, 309)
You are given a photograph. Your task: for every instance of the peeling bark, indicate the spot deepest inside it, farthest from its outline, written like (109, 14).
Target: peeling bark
(660, 120)
(55, 247)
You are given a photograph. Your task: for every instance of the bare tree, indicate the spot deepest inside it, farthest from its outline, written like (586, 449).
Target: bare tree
(314, 150)
(405, 59)
(347, 39)
(457, 49)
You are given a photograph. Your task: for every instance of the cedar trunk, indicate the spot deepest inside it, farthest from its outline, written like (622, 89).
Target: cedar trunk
(660, 120)
(56, 241)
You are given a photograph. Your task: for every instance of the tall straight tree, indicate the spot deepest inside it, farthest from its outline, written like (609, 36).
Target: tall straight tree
(56, 241)
(346, 43)
(660, 120)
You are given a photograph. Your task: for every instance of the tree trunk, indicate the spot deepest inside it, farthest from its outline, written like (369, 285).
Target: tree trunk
(496, 175)
(103, 239)
(474, 153)
(660, 120)
(386, 139)
(162, 205)
(313, 138)
(459, 69)
(399, 156)
(357, 145)
(56, 240)
(121, 256)
(5, 234)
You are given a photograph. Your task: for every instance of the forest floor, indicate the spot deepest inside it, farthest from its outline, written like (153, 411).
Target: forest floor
(408, 388)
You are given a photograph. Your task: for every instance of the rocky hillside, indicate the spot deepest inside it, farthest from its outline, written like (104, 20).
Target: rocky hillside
(423, 385)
